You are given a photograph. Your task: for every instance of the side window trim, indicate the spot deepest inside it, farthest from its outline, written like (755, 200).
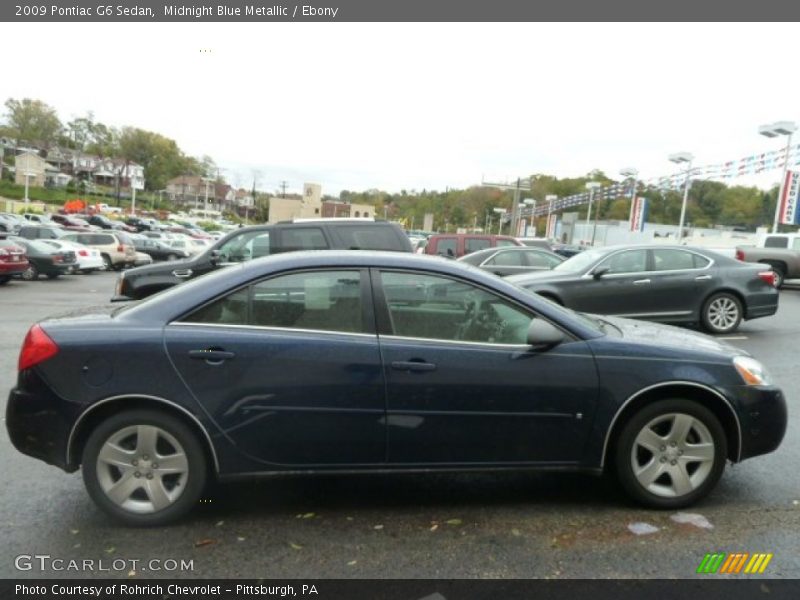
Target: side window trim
(709, 262)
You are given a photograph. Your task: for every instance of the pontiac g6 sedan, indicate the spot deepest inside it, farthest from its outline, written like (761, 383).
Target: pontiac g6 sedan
(353, 361)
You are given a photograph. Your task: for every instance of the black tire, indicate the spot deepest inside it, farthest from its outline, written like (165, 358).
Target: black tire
(53, 275)
(4, 279)
(186, 491)
(107, 262)
(31, 273)
(780, 275)
(705, 426)
(722, 313)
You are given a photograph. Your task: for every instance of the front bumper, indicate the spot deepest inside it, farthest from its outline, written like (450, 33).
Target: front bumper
(763, 417)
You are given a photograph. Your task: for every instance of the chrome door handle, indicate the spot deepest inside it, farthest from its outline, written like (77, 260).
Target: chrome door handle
(182, 273)
(702, 278)
(412, 365)
(641, 282)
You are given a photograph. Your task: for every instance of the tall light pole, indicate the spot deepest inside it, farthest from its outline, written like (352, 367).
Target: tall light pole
(550, 199)
(532, 203)
(632, 174)
(591, 186)
(771, 130)
(681, 158)
(205, 204)
(500, 212)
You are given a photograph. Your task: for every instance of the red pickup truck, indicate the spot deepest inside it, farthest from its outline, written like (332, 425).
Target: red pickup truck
(456, 245)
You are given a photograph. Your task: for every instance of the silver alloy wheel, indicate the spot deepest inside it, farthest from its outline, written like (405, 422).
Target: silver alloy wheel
(723, 313)
(673, 455)
(142, 469)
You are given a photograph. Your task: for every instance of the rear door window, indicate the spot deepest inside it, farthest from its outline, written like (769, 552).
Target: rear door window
(302, 238)
(366, 237)
(446, 247)
(475, 244)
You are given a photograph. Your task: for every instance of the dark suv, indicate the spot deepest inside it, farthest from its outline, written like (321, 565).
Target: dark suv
(247, 243)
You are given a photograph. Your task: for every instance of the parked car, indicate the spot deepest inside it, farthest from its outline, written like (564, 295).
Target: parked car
(456, 245)
(101, 221)
(35, 218)
(247, 243)
(12, 260)
(309, 362)
(115, 247)
(158, 249)
(513, 260)
(780, 251)
(568, 250)
(9, 223)
(534, 242)
(69, 222)
(44, 259)
(87, 260)
(41, 232)
(142, 259)
(674, 284)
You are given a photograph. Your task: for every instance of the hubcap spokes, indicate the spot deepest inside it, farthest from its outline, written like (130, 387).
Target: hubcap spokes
(723, 313)
(673, 455)
(142, 469)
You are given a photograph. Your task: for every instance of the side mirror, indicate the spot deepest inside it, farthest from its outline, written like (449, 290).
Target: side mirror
(599, 272)
(213, 257)
(542, 334)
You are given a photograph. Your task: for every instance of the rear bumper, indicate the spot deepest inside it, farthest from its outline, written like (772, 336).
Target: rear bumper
(38, 422)
(13, 268)
(761, 305)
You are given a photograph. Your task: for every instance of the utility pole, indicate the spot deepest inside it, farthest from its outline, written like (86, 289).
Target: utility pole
(283, 189)
(522, 184)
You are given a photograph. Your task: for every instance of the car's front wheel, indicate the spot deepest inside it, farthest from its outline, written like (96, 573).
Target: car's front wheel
(722, 313)
(31, 273)
(671, 453)
(144, 467)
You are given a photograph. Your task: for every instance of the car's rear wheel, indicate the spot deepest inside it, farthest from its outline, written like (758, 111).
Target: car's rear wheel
(144, 467)
(4, 279)
(722, 313)
(31, 273)
(779, 274)
(107, 262)
(671, 453)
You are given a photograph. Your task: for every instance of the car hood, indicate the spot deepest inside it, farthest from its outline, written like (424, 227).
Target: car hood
(668, 336)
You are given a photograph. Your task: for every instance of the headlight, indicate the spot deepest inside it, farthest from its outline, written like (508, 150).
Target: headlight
(752, 371)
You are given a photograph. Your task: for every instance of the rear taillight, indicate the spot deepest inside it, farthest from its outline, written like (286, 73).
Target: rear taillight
(740, 255)
(83, 253)
(767, 276)
(120, 248)
(57, 258)
(37, 347)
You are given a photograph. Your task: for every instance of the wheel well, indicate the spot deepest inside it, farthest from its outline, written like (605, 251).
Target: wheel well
(112, 407)
(721, 409)
(552, 297)
(734, 293)
(775, 264)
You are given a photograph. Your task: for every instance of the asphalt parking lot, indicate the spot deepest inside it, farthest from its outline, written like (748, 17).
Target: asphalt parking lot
(376, 526)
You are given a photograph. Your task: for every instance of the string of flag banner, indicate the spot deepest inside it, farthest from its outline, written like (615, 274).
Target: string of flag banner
(749, 165)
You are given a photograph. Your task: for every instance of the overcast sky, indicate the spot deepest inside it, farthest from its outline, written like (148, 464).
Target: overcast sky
(413, 106)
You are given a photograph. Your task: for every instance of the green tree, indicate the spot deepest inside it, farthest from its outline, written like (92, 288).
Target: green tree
(33, 121)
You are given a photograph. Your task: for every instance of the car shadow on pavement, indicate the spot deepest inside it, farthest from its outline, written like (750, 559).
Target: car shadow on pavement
(546, 491)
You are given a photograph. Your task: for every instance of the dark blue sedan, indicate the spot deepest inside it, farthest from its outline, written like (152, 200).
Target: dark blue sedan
(354, 361)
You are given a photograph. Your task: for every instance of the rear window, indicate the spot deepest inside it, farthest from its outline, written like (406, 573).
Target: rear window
(446, 247)
(361, 237)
